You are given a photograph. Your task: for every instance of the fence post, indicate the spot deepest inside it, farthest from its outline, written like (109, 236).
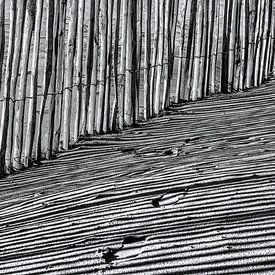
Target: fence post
(122, 71)
(88, 66)
(20, 104)
(2, 37)
(33, 86)
(79, 56)
(117, 7)
(94, 83)
(102, 64)
(21, 11)
(107, 96)
(181, 60)
(60, 72)
(73, 4)
(147, 57)
(4, 122)
(155, 55)
(160, 57)
(52, 85)
(46, 76)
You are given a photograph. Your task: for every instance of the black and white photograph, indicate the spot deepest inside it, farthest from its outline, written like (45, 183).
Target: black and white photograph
(137, 137)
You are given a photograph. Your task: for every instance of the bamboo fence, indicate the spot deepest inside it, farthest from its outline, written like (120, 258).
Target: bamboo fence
(81, 67)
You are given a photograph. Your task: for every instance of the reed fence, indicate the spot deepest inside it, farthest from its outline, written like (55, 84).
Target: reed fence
(87, 67)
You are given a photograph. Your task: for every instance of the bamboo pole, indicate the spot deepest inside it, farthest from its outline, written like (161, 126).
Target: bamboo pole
(88, 66)
(21, 10)
(73, 5)
(6, 92)
(79, 57)
(31, 122)
(20, 104)
(107, 95)
(147, 57)
(94, 71)
(102, 64)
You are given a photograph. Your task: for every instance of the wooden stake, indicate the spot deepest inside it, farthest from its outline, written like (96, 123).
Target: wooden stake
(168, 62)
(88, 66)
(60, 72)
(204, 43)
(21, 10)
(214, 49)
(52, 85)
(107, 96)
(140, 11)
(251, 43)
(198, 42)
(259, 36)
(20, 104)
(73, 4)
(94, 85)
(122, 71)
(189, 56)
(160, 57)
(4, 119)
(102, 64)
(31, 122)
(147, 56)
(79, 57)
(181, 52)
(265, 43)
(129, 103)
(210, 42)
(117, 7)
(155, 55)
(2, 37)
